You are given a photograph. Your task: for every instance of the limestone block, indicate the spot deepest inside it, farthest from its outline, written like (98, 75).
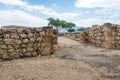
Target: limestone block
(34, 53)
(29, 49)
(3, 47)
(23, 45)
(14, 55)
(14, 36)
(39, 39)
(3, 53)
(25, 40)
(23, 36)
(28, 54)
(32, 40)
(24, 50)
(7, 36)
(18, 42)
(9, 41)
(30, 35)
(11, 50)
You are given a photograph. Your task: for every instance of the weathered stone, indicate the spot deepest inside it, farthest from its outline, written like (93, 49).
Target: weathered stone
(11, 50)
(114, 33)
(29, 49)
(46, 51)
(23, 36)
(3, 47)
(10, 47)
(14, 36)
(30, 35)
(25, 40)
(1, 42)
(23, 45)
(118, 38)
(7, 36)
(18, 42)
(3, 53)
(5, 56)
(39, 39)
(8, 41)
(118, 34)
(24, 50)
(28, 54)
(30, 45)
(32, 40)
(14, 55)
(35, 46)
(34, 53)
(16, 46)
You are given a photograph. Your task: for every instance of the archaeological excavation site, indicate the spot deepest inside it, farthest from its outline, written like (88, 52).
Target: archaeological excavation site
(39, 53)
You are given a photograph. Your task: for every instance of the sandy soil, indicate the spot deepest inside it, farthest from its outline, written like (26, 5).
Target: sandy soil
(71, 61)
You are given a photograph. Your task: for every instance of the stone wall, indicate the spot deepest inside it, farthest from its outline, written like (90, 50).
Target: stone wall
(55, 36)
(19, 41)
(71, 35)
(106, 35)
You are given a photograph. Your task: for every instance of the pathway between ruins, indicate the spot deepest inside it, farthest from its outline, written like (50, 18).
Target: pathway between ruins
(71, 61)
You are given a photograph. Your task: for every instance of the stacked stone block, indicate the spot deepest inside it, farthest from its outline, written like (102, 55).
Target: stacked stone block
(106, 35)
(19, 41)
(71, 35)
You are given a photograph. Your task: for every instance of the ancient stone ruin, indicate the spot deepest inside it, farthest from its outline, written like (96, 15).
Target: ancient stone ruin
(74, 36)
(106, 36)
(20, 41)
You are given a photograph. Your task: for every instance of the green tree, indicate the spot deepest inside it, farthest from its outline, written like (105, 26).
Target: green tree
(54, 22)
(60, 23)
(71, 30)
(68, 25)
(82, 29)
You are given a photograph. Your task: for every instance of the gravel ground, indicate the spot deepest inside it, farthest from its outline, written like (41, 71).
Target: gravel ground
(71, 61)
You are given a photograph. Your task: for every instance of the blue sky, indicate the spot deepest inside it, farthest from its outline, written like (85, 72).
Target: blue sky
(81, 12)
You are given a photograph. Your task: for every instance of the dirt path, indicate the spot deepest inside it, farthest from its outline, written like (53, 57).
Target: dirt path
(105, 61)
(71, 61)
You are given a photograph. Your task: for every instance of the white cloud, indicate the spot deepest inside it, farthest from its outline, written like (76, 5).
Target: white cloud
(17, 17)
(13, 2)
(95, 20)
(50, 12)
(39, 8)
(97, 3)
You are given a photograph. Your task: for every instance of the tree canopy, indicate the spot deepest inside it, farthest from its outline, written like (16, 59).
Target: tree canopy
(71, 30)
(60, 23)
(82, 29)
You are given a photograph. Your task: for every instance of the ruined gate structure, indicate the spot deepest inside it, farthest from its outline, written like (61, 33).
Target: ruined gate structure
(20, 41)
(106, 36)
